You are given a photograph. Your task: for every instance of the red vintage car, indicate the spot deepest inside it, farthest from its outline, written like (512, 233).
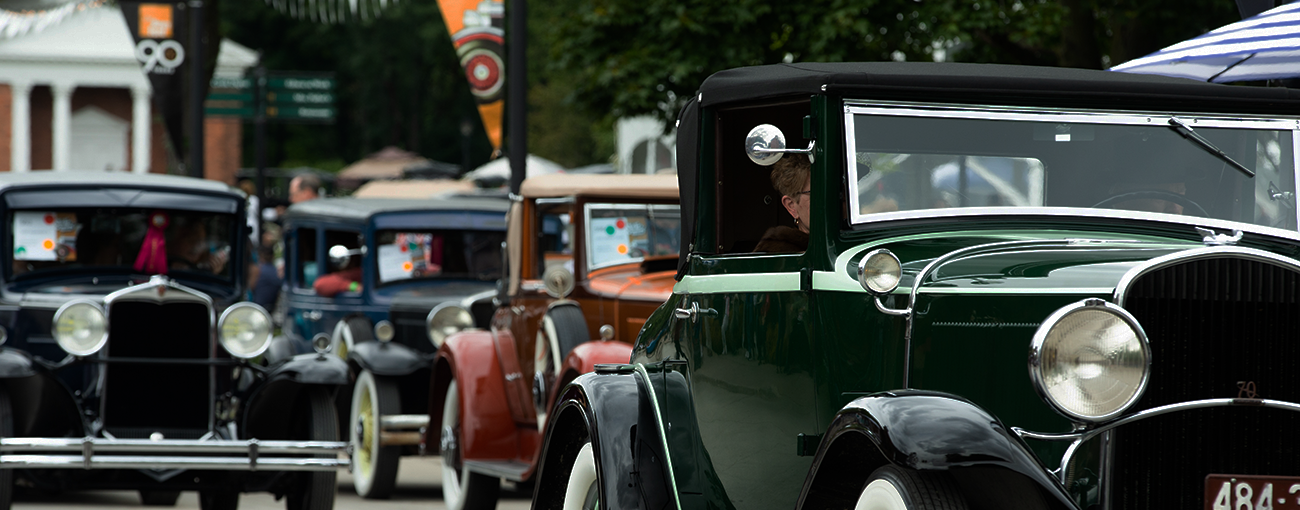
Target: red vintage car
(590, 257)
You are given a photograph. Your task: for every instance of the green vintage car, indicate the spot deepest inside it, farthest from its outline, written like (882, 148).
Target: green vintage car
(1022, 288)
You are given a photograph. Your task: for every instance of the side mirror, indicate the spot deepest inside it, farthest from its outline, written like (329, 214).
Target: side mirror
(340, 255)
(765, 144)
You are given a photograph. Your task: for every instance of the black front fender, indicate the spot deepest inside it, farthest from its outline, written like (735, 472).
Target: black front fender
(387, 358)
(925, 430)
(613, 410)
(309, 369)
(268, 412)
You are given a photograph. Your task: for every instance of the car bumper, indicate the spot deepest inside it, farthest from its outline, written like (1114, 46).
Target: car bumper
(222, 455)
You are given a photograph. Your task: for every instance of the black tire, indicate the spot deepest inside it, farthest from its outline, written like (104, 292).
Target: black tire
(462, 489)
(6, 430)
(218, 499)
(317, 421)
(891, 487)
(159, 498)
(374, 466)
(561, 330)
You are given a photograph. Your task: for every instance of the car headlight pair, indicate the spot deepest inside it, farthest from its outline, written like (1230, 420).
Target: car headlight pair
(81, 329)
(1090, 360)
(445, 320)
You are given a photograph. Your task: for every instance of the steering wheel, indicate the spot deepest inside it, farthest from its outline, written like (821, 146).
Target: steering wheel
(1189, 205)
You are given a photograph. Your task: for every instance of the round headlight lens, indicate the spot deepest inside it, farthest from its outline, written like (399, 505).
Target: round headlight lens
(1090, 360)
(879, 272)
(80, 328)
(245, 330)
(445, 320)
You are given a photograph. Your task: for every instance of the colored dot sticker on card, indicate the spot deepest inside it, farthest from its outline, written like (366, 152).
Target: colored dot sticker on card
(622, 249)
(620, 224)
(404, 248)
(407, 266)
(48, 244)
(609, 230)
(49, 219)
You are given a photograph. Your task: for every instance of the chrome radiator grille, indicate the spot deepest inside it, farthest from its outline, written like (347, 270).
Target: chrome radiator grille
(172, 398)
(1219, 328)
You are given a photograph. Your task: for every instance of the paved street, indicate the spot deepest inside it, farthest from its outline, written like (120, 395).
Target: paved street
(419, 487)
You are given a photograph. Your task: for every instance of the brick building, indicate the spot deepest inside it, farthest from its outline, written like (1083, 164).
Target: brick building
(74, 97)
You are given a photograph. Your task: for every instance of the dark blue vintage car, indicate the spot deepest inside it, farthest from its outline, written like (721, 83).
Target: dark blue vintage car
(129, 358)
(384, 281)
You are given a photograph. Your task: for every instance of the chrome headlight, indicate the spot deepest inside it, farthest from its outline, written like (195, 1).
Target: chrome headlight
(879, 272)
(445, 320)
(245, 330)
(80, 327)
(1090, 360)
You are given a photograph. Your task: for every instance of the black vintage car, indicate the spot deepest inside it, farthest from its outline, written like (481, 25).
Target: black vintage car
(130, 359)
(384, 281)
(1018, 287)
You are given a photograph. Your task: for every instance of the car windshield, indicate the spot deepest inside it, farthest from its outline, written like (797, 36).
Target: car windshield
(911, 162)
(154, 241)
(450, 254)
(623, 233)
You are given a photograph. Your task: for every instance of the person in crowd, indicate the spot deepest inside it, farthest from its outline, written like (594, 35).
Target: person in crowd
(792, 178)
(267, 287)
(303, 188)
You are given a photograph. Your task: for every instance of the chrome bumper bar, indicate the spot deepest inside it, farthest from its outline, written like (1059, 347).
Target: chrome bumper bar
(402, 429)
(223, 455)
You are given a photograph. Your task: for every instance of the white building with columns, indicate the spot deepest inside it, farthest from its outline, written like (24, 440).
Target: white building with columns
(74, 97)
(77, 98)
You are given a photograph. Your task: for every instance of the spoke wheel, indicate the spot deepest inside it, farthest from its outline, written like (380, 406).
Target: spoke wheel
(583, 491)
(318, 421)
(462, 489)
(895, 488)
(562, 329)
(374, 466)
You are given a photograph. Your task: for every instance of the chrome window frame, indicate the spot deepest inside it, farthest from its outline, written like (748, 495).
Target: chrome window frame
(586, 224)
(1034, 114)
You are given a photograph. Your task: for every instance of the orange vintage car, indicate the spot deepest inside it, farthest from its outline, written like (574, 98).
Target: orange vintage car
(590, 257)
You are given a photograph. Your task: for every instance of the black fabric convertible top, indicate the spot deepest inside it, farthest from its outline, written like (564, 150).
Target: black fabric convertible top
(992, 84)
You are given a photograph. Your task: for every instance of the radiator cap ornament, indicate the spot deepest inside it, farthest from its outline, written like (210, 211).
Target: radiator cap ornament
(1210, 238)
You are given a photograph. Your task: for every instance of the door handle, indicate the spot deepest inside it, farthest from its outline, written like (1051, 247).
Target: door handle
(693, 313)
(312, 315)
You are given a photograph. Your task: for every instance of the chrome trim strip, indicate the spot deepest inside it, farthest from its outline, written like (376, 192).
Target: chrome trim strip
(731, 283)
(851, 161)
(1155, 411)
(1036, 114)
(1295, 163)
(1122, 289)
(663, 435)
(20, 452)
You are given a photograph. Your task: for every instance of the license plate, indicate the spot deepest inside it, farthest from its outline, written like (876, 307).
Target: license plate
(1251, 492)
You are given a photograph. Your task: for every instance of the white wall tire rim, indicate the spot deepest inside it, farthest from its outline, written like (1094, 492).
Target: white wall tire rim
(364, 397)
(581, 478)
(342, 340)
(880, 495)
(454, 486)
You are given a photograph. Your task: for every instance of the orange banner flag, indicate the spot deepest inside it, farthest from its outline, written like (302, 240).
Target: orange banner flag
(477, 29)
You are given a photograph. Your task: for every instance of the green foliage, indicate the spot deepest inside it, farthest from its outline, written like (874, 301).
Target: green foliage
(629, 57)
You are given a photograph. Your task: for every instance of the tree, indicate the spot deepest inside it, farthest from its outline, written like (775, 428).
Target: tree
(630, 57)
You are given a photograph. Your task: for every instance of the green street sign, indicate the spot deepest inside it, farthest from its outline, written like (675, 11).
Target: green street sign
(219, 82)
(300, 84)
(246, 97)
(318, 113)
(242, 111)
(289, 98)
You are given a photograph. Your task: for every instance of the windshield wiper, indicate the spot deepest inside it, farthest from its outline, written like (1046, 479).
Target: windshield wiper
(1186, 131)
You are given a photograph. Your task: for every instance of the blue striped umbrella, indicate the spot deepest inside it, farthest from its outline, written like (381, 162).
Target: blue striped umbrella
(1264, 47)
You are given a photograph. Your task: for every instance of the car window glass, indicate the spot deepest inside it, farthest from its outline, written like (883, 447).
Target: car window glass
(131, 240)
(462, 254)
(306, 254)
(623, 233)
(1126, 163)
(555, 239)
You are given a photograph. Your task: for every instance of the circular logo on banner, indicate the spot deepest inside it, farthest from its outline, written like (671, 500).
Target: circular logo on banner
(161, 56)
(480, 56)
